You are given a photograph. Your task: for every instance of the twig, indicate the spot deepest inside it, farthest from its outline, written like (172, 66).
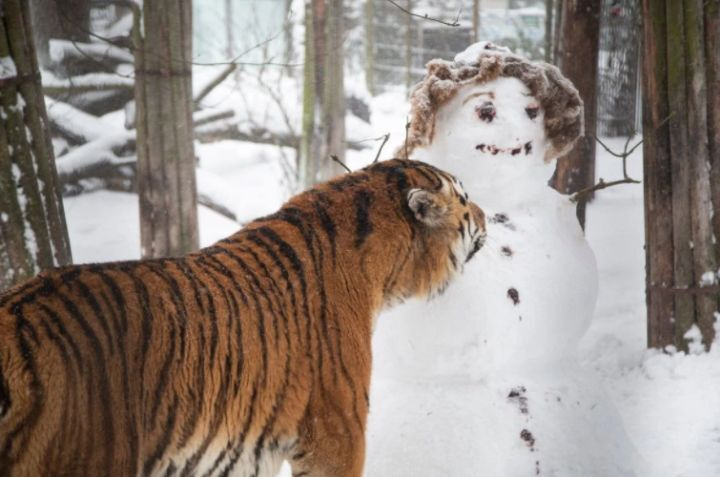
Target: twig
(377, 156)
(583, 193)
(425, 16)
(407, 128)
(136, 9)
(337, 159)
(207, 89)
(577, 196)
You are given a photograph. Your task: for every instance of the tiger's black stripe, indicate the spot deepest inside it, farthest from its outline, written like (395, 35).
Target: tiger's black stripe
(362, 200)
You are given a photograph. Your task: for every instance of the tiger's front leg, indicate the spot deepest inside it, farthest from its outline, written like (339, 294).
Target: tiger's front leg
(331, 434)
(331, 441)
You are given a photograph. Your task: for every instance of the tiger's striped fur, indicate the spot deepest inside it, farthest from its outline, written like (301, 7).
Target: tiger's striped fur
(228, 360)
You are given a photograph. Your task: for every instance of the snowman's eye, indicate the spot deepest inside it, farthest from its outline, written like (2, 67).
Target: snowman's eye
(485, 111)
(532, 111)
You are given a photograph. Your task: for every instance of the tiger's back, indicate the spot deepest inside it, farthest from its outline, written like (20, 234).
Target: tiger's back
(232, 358)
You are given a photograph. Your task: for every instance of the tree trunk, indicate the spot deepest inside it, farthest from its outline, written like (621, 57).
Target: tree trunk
(370, 46)
(679, 116)
(166, 158)
(548, 30)
(61, 19)
(712, 52)
(408, 48)
(323, 93)
(476, 20)
(579, 62)
(33, 234)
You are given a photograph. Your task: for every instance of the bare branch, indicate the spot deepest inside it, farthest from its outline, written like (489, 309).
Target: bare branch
(385, 140)
(581, 194)
(337, 159)
(207, 89)
(407, 129)
(454, 23)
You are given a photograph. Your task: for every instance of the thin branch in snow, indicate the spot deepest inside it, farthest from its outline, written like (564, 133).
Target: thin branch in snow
(407, 129)
(601, 184)
(425, 16)
(337, 159)
(385, 140)
(136, 9)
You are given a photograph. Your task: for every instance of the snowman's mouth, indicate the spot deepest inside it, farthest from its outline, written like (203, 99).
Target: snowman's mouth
(513, 151)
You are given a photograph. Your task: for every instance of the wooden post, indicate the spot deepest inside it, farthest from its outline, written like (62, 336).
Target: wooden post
(33, 234)
(166, 158)
(408, 47)
(579, 62)
(323, 93)
(657, 177)
(712, 64)
(548, 31)
(370, 46)
(679, 82)
(701, 210)
(476, 20)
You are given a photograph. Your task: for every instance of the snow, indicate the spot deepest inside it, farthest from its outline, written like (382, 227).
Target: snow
(104, 226)
(581, 396)
(75, 120)
(668, 404)
(7, 67)
(60, 49)
(471, 54)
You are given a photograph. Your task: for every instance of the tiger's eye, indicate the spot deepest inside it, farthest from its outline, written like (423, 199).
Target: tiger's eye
(532, 111)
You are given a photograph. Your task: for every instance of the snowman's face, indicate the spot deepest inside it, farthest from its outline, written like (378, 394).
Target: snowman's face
(498, 118)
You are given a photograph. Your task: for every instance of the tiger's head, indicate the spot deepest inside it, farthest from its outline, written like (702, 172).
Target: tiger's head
(408, 228)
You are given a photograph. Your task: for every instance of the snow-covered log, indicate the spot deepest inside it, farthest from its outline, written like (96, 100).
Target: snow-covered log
(53, 85)
(232, 131)
(61, 50)
(77, 126)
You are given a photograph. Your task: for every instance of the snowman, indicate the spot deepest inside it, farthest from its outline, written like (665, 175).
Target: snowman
(484, 380)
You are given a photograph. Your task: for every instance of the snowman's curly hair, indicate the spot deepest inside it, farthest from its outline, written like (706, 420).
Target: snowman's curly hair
(557, 96)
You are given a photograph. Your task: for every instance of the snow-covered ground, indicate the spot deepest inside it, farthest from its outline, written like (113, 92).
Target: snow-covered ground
(669, 403)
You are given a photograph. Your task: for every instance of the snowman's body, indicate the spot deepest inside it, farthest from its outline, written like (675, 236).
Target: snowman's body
(483, 380)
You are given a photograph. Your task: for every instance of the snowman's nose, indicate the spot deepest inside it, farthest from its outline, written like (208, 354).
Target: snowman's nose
(485, 111)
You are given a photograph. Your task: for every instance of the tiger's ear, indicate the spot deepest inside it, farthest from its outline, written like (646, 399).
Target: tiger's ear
(427, 207)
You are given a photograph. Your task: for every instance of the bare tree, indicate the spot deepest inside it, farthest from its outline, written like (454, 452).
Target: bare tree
(166, 157)
(679, 120)
(476, 20)
(323, 92)
(370, 46)
(578, 60)
(549, 30)
(58, 19)
(33, 234)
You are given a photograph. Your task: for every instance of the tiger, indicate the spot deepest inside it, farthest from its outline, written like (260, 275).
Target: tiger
(234, 358)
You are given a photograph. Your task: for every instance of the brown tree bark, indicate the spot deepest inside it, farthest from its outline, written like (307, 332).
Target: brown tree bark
(579, 62)
(33, 234)
(549, 10)
(476, 20)
(657, 178)
(166, 157)
(61, 19)
(323, 93)
(679, 115)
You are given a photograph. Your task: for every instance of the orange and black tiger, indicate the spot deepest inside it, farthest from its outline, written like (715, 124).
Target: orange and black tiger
(231, 359)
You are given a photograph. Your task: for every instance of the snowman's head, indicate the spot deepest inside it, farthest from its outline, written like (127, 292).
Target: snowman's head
(503, 100)
(496, 119)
